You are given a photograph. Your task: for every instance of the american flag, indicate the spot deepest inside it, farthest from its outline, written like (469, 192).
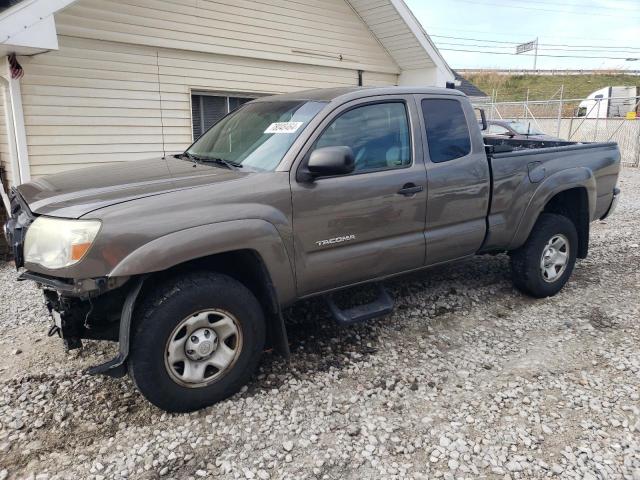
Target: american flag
(16, 69)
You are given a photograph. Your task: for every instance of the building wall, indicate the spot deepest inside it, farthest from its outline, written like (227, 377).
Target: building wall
(98, 99)
(5, 161)
(5, 170)
(301, 31)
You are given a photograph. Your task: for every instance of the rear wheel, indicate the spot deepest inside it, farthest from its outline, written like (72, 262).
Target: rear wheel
(542, 266)
(197, 340)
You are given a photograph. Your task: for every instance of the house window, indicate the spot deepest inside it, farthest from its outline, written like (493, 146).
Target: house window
(207, 109)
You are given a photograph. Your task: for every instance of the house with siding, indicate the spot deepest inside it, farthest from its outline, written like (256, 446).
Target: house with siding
(89, 82)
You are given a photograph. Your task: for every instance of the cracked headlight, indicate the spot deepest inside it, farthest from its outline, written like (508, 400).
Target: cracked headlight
(57, 242)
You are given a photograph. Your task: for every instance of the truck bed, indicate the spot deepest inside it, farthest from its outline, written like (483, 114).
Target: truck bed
(526, 144)
(520, 168)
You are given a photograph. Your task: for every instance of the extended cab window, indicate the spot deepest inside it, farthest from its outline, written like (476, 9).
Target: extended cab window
(378, 134)
(447, 130)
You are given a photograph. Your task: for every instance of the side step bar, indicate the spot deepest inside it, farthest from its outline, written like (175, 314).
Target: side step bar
(381, 306)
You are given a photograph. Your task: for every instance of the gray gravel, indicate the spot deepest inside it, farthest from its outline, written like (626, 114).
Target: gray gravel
(467, 379)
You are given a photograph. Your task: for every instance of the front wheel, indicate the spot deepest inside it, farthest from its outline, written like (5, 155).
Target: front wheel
(197, 340)
(543, 265)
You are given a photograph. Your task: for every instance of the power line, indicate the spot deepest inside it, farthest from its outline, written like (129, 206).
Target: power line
(522, 7)
(504, 33)
(580, 5)
(540, 55)
(512, 43)
(604, 50)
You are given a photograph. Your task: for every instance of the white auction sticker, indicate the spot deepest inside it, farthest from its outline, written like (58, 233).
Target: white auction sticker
(283, 127)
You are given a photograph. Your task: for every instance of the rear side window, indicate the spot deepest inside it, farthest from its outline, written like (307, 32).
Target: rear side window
(447, 131)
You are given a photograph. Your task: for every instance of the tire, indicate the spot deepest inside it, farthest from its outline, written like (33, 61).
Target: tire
(527, 263)
(175, 312)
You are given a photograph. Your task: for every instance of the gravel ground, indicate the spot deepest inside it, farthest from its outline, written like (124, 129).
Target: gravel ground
(467, 379)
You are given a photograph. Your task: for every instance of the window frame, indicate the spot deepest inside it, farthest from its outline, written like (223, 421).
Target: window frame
(427, 154)
(215, 93)
(337, 113)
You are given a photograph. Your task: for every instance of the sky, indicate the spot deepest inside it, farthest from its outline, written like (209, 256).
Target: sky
(584, 28)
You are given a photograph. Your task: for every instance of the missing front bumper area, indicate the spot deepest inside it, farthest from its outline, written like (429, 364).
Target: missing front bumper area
(74, 319)
(96, 309)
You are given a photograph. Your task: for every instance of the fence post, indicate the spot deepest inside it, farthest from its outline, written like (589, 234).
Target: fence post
(595, 132)
(559, 111)
(636, 162)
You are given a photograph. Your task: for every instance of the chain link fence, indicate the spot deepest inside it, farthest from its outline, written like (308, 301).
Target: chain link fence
(596, 123)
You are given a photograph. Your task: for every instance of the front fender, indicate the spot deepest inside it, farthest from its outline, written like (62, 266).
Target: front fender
(178, 247)
(578, 177)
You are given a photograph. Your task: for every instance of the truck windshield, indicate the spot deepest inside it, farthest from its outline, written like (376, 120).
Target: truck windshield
(523, 128)
(256, 135)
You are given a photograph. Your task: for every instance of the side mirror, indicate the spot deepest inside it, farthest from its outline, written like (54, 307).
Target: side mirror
(483, 119)
(329, 161)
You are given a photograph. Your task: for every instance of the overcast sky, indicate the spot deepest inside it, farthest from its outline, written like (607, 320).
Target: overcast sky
(588, 28)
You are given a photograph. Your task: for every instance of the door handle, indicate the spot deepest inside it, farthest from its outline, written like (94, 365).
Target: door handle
(410, 189)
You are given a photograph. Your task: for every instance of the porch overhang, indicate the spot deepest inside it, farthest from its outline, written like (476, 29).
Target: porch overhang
(29, 27)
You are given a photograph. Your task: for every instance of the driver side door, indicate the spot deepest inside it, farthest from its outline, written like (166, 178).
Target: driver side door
(370, 223)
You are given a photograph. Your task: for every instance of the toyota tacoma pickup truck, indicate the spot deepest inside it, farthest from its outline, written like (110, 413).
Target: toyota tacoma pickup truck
(188, 260)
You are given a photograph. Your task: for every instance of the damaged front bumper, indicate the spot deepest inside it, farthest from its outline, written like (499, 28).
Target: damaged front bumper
(92, 308)
(96, 314)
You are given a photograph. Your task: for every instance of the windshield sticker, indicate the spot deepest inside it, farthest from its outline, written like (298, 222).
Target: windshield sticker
(283, 127)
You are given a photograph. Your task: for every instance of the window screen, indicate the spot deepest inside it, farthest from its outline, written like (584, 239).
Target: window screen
(447, 131)
(209, 109)
(378, 134)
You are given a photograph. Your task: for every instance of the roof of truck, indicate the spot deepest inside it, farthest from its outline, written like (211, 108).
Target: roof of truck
(330, 94)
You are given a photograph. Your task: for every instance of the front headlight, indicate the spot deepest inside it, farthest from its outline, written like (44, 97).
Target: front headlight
(57, 242)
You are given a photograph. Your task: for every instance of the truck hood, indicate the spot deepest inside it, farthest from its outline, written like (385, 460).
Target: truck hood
(76, 193)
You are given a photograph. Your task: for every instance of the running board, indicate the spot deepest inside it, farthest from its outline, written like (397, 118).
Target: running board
(381, 306)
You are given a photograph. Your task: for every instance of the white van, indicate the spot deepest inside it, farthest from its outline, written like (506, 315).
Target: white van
(610, 102)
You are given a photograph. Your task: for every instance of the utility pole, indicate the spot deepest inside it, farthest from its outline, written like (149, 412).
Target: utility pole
(535, 56)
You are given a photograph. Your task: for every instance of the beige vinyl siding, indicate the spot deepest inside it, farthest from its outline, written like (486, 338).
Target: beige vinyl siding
(325, 33)
(90, 103)
(119, 87)
(5, 161)
(94, 102)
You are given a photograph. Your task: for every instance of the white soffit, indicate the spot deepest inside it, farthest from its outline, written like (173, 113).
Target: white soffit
(400, 33)
(29, 26)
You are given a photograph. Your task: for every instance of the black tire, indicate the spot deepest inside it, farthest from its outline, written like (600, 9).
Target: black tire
(158, 315)
(526, 273)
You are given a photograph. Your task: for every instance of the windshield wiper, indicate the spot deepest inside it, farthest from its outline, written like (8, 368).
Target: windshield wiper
(189, 156)
(221, 161)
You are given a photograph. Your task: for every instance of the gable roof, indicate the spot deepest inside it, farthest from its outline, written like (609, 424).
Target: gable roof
(468, 88)
(400, 33)
(28, 27)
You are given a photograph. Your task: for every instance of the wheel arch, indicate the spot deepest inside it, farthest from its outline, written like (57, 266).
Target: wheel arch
(571, 193)
(573, 204)
(248, 267)
(250, 251)
(197, 243)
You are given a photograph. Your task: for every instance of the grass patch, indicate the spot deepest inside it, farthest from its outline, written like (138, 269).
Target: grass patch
(543, 87)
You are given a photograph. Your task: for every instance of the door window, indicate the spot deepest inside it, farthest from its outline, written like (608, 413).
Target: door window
(447, 130)
(378, 134)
